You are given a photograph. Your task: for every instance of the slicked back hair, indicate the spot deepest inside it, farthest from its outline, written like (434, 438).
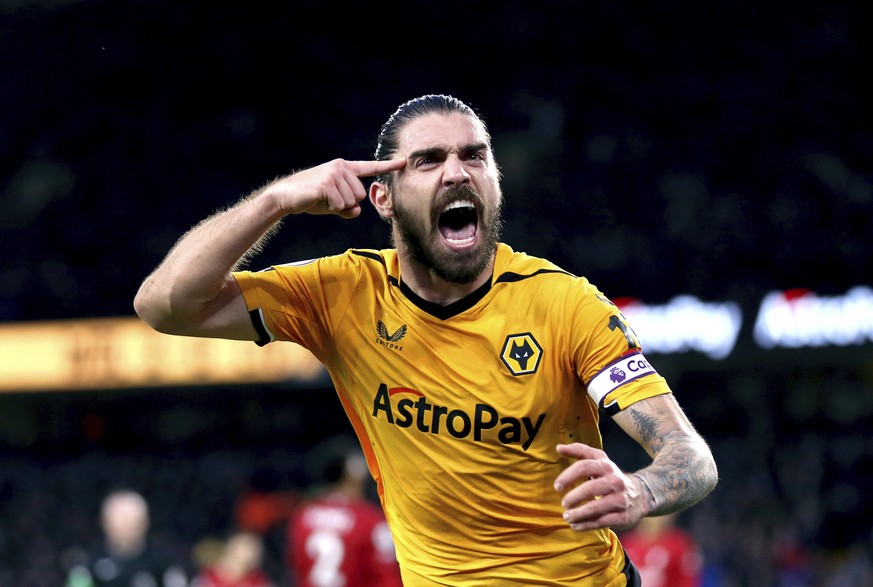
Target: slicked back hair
(386, 147)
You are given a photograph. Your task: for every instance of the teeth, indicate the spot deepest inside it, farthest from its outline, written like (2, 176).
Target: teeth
(463, 241)
(459, 204)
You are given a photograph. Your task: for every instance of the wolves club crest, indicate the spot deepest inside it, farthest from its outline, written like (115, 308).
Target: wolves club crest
(521, 354)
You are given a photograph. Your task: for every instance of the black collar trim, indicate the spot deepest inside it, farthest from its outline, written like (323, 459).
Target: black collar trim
(465, 303)
(453, 309)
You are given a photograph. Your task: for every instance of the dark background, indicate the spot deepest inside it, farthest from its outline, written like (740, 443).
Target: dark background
(658, 149)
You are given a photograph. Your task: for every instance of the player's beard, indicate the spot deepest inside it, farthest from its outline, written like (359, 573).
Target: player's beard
(424, 243)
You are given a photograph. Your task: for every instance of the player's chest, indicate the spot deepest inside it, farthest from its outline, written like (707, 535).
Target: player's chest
(493, 353)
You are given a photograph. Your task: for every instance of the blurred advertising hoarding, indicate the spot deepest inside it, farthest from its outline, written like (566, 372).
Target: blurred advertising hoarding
(113, 353)
(116, 353)
(796, 318)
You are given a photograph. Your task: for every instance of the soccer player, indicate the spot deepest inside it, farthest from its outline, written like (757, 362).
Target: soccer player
(238, 565)
(127, 556)
(665, 554)
(339, 537)
(474, 375)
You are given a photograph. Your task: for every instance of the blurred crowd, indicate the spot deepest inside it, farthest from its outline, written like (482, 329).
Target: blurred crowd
(219, 519)
(790, 514)
(657, 151)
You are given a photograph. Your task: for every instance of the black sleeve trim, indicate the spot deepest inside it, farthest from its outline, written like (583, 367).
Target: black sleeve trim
(611, 410)
(263, 336)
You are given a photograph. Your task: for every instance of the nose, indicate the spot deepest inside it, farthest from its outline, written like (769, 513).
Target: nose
(454, 172)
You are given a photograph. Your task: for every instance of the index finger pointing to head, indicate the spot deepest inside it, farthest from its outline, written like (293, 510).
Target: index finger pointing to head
(371, 168)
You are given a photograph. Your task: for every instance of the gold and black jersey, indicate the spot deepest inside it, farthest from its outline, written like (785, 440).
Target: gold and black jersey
(459, 408)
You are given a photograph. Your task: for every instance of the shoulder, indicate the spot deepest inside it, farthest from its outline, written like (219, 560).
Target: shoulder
(516, 267)
(347, 264)
(382, 261)
(510, 260)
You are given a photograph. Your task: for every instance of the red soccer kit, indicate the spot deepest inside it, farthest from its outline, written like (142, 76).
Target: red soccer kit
(672, 559)
(212, 578)
(337, 542)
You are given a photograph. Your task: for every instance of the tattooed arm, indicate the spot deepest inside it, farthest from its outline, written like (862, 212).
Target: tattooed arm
(682, 471)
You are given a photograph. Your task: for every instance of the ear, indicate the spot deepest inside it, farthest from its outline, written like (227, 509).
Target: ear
(382, 199)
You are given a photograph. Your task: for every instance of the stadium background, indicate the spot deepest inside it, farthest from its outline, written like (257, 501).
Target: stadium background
(661, 150)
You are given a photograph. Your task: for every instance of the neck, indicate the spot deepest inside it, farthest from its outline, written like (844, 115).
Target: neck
(429, 286)
(127, 548)
(349, 489)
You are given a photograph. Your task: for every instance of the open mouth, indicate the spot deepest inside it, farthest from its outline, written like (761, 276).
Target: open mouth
(458, 222)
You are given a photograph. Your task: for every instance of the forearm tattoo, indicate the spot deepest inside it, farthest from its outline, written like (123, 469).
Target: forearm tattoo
(682, 471)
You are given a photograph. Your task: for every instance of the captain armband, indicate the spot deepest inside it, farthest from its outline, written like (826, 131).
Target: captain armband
(628, 368)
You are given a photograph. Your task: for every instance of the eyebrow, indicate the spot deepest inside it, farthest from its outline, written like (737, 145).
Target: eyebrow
(441, 152)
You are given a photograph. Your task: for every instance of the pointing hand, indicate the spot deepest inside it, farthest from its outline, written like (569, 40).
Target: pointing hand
(330, 188)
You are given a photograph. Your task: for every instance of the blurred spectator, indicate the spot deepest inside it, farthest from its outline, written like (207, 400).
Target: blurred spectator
(340, 537)
(772, 521)
(238, 564)
(127, 558)
(848, 566)
(666, 555)
(263, 504)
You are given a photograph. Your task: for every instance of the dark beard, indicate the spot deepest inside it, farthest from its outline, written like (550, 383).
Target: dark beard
(452, 267)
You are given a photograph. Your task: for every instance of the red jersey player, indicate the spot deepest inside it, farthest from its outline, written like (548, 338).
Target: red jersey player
(665, 555)
(239, 564)
(340, 538)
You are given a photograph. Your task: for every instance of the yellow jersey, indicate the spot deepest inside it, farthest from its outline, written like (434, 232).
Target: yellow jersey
(459, 408)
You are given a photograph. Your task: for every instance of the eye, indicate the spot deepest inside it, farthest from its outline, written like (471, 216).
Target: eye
(476, 156)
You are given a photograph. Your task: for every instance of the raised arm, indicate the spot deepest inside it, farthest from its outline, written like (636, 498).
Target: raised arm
(682, 471)
(192, 292)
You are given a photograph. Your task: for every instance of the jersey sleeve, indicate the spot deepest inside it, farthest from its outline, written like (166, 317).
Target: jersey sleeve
(299, 302)
(608, 355)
